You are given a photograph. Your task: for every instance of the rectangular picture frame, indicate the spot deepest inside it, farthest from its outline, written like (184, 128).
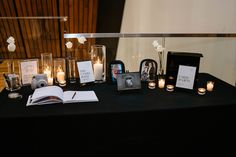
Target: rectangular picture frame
(128, 81)
(28, 68)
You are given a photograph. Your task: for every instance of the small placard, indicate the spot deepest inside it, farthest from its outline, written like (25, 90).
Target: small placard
(28, 68)
(186, 77)
(85, 71)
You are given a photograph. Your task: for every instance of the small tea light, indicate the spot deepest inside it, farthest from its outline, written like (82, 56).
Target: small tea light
(170, 88)
(161, 83)
(210, 86)
(201, 91)
(151, 85)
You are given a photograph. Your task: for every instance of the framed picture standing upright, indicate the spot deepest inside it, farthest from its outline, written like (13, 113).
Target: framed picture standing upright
(28, 68)
(148, 69)
(115, 67)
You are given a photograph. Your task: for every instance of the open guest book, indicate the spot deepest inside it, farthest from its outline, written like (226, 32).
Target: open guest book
(55, 94)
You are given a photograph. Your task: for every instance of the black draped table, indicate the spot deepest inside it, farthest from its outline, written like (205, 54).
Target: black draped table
(140, 122)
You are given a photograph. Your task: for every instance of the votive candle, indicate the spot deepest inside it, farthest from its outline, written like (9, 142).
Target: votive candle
(161, 83)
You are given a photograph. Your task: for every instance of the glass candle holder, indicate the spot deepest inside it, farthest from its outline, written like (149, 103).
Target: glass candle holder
(46, 60)
(170, 88)
(151, 84)
(71, 63)
(161, 83)
(98, 58)
(60, 71)
(210, 86)
(201, 91)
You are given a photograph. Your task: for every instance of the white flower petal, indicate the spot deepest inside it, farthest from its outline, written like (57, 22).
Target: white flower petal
(69, 45)
(11, 47)
(10, 40)
(81, 39)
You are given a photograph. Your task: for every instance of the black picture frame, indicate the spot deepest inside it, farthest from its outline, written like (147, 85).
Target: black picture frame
(148, 69)
(175, 59)
(115, 67)
(128, 81)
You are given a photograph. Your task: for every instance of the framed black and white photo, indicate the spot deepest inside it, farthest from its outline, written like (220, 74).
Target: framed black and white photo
(128, 81)
(115, 67)
(148, 69)
(28, 68)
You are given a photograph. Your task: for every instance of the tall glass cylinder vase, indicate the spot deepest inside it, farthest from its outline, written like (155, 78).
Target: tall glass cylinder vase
(161, 66)
(60, 71)
(47, 68)
(98, 58)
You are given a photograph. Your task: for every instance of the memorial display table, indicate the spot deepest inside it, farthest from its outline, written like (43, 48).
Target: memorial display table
(141, 122)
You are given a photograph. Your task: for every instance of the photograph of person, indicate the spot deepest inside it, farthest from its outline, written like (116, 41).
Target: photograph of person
(148, 69)
(115, 69)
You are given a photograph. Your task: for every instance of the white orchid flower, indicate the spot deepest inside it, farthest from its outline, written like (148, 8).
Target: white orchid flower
(69, 45)
(81, 39)
(158, 47)
(11, 47)
(10, 40)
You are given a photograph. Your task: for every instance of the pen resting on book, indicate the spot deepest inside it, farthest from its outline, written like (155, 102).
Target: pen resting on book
(73, 95)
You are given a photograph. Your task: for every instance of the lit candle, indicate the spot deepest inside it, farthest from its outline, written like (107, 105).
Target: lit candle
(210, 85)
(201, 91)
(98, 70)
(151, 85)
(60, 76)
(50, 81)
(47, 71)
(161, 83)
(170, 88)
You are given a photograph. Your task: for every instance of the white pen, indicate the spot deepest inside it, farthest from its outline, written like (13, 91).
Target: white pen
(73, 95)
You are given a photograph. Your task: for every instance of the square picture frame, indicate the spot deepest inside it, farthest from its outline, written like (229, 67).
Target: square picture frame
(28, 68)
(115, 67)
(148, 69)
(128, 81)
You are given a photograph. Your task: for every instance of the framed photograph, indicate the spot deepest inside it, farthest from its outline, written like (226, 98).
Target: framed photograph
(115, 67)
(128, 81)
(28, 68)
(185, 77)
(148, 69)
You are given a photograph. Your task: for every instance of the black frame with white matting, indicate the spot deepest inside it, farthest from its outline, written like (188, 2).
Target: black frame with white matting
(146, 72)
(115, 67)
(128, 81)
(175, 59)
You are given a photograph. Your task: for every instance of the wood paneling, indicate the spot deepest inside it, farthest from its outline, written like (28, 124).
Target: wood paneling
(35, 36)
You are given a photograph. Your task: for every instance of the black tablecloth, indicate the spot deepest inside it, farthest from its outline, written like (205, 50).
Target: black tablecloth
(111, 101)
(135, 123)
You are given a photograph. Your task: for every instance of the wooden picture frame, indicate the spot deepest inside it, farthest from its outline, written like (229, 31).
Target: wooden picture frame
(28, 68)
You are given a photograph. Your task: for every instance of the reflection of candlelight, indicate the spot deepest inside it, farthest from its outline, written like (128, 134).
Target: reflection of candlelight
(98, 70)
(60, 76)
(201, 91)
(210, 85)
(161, 83)
(170, 88)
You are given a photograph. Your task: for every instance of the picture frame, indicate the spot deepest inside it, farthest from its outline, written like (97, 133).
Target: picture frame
(128, 81)
(175, 59)
(28, 68)
(148, 69)
(115, 67)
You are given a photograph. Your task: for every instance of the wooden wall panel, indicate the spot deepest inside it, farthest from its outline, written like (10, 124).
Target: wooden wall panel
(34, 36)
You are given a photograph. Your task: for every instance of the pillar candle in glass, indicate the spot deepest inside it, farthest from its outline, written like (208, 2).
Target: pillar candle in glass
(60, 71)
(98, 58)
(46, 60)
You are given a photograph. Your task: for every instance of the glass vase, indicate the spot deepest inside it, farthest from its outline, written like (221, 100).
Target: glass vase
(98, 58)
